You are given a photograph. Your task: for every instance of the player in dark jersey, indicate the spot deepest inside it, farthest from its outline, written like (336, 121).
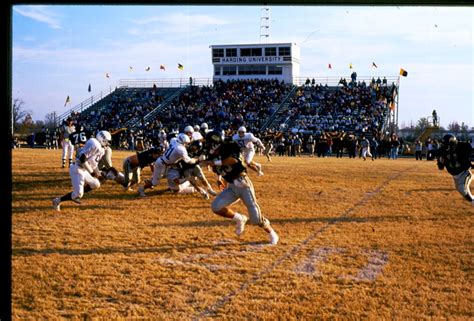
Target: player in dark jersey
(133, 165)
(455, 157)
(79, 137)
(227, 160)
(193, 172)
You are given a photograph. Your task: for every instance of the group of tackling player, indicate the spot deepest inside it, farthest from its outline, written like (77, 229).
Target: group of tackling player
(179, 159)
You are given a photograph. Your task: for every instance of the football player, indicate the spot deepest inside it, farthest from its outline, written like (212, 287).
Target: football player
(246, 142)
(85, 171)
(227, 160)
(68, 148)
(171, 157)
(132, 165)
(455, 157)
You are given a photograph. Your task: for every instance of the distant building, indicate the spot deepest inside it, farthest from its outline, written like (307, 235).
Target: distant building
(279, 61)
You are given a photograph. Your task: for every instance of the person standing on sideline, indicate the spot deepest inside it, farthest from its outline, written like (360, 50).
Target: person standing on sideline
(227, 161)
(455, 157)
(67, 129)
(418, 150)
(85, 171)
(310, 145)
(365, 147)
(394, 145)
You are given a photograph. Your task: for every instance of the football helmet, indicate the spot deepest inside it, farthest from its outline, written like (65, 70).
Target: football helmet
(204, 126)
(213, 140)
(104, 138)
(449, 140)
(188, 130)
(183, 139)
(242, 130)
(195, 146)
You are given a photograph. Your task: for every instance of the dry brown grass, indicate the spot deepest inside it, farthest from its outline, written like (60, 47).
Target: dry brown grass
(358, 240)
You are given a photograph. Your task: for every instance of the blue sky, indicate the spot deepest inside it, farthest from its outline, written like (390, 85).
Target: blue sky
(58, 50)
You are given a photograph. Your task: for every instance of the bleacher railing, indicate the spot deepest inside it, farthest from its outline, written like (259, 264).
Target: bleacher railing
(164, 82)
(84, 105)
(334, 80)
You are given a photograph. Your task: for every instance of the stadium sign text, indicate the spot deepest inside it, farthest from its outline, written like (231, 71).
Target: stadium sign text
(251, 60)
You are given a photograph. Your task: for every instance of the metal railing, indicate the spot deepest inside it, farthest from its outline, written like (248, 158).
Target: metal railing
(83, 105)
(164, 82)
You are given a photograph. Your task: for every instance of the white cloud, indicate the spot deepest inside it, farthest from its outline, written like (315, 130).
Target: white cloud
(40, 14)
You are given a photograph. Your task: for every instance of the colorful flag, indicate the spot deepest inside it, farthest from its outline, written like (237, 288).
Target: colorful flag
(403, 72)
(374, 65)
(350, 65)
(329, 66)
(68, 100)
(180, 67)
(162, 67)
(107, 75)
(147, 69)
(89, 89)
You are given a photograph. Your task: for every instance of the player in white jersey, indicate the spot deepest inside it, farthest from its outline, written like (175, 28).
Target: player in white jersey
(171, 156)
(67, 129)
(85, 171)
(246, 142)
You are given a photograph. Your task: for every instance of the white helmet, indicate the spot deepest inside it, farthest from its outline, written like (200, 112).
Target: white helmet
(204, 126)
(188, 129)
(183, 139)
(104, 138)
(196, 128)
(242, 130)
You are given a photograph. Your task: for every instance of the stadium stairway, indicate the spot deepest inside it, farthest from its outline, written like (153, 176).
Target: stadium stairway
(280, 114)
(170, 96)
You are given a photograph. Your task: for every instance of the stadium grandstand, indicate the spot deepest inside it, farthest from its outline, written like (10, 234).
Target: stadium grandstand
(253, 85)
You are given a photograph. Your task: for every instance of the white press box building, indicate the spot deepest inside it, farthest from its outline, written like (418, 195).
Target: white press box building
(256, 61)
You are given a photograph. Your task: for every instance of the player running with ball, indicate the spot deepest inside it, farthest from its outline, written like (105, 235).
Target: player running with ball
(226, 158)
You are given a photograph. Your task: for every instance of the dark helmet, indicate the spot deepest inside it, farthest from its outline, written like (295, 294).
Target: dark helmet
(449, 140)
(158, 150)
(79, 128)
(195, 146)
(213, 140)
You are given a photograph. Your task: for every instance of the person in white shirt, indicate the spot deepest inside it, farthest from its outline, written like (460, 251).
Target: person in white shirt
(246, 142)
(85, 171)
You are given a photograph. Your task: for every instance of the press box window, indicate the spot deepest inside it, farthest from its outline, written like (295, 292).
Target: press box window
(217, 70)
(275, 70)
(250, 52)
(284, 51)
(217, 53)
(231, 52)
(272, 51)
(229, 70)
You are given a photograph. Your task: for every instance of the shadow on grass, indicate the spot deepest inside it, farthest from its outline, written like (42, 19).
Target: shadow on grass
(111, 250)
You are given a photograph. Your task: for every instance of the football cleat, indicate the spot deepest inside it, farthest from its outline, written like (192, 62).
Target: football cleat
(56, 204)
(141, 191)
(240, 225)
(76, 200)
(259, 169)
(212, 192)
(274, 238)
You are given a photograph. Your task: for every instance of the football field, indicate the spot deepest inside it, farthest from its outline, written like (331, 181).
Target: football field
(358, 240)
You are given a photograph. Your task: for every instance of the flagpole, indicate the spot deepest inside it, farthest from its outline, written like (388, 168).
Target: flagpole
(398, 96)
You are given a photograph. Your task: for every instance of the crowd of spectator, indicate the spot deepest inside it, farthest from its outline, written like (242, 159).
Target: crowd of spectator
(355, 107)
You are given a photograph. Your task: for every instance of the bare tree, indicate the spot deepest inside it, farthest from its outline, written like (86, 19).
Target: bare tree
(50, 120)
(18, 112)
